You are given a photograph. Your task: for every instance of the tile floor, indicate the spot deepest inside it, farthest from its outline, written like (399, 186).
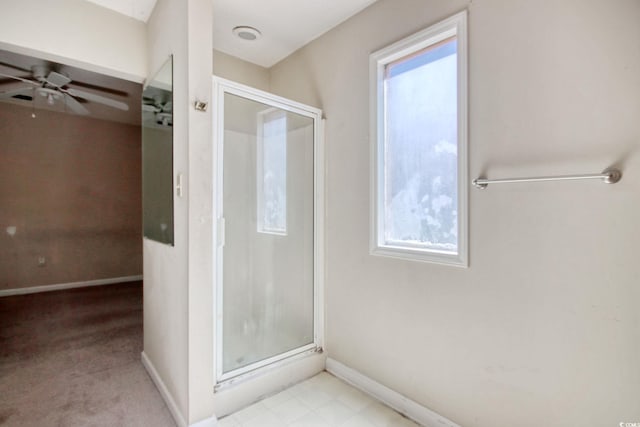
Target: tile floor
(321, 401)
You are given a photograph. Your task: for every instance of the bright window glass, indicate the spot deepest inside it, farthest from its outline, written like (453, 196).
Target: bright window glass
(272, 173)
(420, 169)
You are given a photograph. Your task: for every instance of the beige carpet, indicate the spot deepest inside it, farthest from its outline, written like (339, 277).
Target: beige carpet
(72, 358)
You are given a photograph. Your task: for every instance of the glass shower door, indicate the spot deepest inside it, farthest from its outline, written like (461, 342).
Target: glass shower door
(266, 259)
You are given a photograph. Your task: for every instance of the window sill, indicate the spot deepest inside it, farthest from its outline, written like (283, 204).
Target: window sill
(422, 255)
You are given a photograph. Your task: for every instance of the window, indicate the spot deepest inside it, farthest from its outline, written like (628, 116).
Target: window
(419, 137)
(272, 172)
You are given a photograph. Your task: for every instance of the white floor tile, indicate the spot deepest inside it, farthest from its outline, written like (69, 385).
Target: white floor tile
(228, 421)
(355, 399)
(330, 384)
(311, 420)
(266, 420)
(381, 415)
(250, 412)
(405, 422)
(335, 412)
(278, 399)
(322, 378)
(314, 398)
(291, 410)
(304, 385)
(357, 421)
(321, 401)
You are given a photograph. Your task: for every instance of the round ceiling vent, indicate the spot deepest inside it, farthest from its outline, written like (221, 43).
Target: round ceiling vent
(247, 33)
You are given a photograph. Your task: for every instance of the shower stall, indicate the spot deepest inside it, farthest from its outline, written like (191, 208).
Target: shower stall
(268, 234)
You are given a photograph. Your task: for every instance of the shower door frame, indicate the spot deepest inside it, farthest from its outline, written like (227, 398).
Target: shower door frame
(220, 88)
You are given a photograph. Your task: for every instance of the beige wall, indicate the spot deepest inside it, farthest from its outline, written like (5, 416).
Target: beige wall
(77, 33)
(71, 188)
(542, 328)
(178, 314)
(200, 193)
(165, 267)
(178, 310)
(237, 70)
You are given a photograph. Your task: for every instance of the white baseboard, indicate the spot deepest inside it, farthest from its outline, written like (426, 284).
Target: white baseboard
(171, 404)
(61, 286)
(395, 400)
(164, 392)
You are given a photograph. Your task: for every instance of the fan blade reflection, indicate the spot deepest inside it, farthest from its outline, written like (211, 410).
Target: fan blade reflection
(99, 99)
(27, 91)
(102, 89)
(151, 108)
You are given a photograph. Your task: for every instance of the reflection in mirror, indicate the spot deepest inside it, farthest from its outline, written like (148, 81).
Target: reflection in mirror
(157, 155)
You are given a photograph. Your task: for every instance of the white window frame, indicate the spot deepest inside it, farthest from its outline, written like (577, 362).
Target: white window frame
(456, 26)
(262, 228)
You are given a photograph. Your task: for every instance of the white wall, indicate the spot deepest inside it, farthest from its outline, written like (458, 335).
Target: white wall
(75, 32)
(542, 328)
(178, 329)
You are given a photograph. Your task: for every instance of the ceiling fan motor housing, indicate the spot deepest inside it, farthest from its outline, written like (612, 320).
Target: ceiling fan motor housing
(45, 75)
(39, 72)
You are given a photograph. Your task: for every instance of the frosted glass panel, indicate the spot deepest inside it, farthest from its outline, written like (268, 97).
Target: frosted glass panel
(268, 253)
(421, 150)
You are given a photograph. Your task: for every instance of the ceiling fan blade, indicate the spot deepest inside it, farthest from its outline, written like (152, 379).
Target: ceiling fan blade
(99, 99)
(4, 64)
(26, 91)
(57, 79)
(5, 80)
(20, 79)
(104, 89)
(74, 105)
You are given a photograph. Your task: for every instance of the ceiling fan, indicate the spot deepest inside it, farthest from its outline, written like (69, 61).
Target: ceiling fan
(54, 88)
(158, 105)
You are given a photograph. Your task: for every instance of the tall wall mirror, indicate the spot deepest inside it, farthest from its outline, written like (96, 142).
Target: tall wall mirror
(157, 155)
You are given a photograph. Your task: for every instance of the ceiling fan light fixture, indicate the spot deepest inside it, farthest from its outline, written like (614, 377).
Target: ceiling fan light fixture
(246, 33)
(51, 95)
